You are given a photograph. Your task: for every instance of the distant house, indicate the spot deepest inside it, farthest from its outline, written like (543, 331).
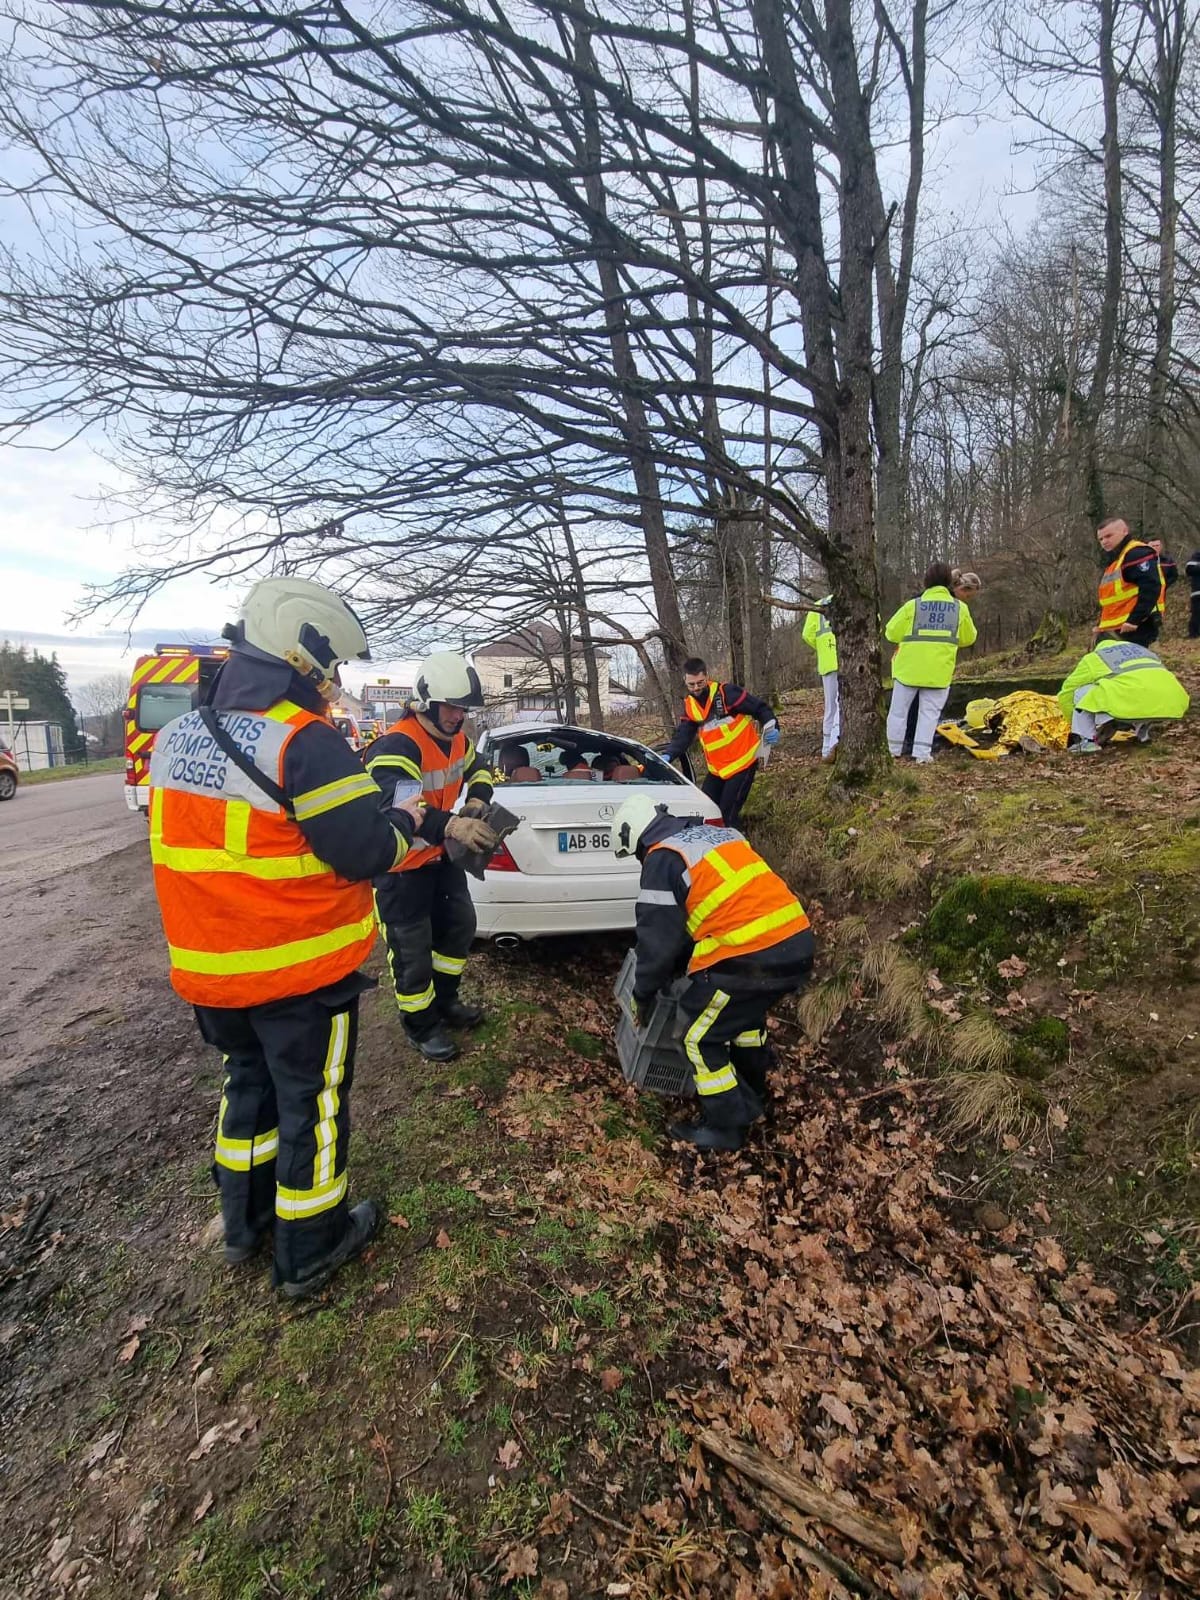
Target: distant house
(524, 675)
(623, 699)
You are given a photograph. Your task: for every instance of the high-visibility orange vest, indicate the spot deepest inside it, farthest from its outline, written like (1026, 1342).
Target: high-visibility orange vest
(735, 904)
(250, 913)
(730, 743)
(441, 781)
(1161, 603)
(1118, 598)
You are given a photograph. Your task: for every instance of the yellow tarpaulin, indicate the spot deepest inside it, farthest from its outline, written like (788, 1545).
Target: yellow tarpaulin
(1020, 720)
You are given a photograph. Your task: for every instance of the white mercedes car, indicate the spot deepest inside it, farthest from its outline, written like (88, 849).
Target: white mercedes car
(557, 874)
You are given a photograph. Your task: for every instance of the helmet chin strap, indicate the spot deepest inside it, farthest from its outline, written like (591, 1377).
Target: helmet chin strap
(324, 683)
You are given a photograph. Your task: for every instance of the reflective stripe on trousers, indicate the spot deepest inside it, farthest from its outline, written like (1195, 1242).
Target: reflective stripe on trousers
(708, 1080)
(327, 1187)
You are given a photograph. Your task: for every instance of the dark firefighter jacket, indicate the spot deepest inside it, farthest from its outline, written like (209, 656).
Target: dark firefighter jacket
(356, 836)
(738, 702)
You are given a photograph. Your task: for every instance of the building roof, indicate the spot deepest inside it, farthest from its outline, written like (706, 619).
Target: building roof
(535, 639)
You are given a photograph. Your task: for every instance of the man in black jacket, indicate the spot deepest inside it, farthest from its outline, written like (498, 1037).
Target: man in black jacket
(733, 726)
(265, 833)
(708, 902)
(1192, 568)
(1131, 586)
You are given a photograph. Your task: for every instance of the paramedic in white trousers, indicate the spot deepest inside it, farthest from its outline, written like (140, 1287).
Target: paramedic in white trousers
(929, 632)
(819, 636)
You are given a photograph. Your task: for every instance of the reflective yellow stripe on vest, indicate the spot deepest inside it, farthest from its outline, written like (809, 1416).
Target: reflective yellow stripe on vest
(751, 930)
(734, 880)
(274, 957)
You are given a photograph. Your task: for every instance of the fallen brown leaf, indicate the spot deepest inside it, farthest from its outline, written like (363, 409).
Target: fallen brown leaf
(521, 1561)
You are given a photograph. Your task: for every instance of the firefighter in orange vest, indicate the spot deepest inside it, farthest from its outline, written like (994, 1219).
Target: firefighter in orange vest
(425, 908)
(709, 902)
(265, 834)
(733, 727)
(1132, 588)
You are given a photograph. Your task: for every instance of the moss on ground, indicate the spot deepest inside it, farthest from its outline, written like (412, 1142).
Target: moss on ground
(977, 922)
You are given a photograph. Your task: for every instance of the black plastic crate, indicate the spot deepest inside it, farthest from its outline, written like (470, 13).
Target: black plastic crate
(652, 1057)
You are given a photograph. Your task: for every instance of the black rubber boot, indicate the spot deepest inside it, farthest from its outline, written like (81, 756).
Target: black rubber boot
(364, 1225)
(237, 1255)
(435, 1046)
(707, 1138)
(461, 1014)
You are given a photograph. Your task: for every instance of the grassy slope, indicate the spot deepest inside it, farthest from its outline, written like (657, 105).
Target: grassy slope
(502, 1399)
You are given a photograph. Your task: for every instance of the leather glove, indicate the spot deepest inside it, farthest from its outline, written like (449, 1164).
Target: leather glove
(771, 733)
(473, 834)
(476, 808)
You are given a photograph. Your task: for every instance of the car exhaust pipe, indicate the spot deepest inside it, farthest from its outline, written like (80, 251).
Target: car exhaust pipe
(506, 941)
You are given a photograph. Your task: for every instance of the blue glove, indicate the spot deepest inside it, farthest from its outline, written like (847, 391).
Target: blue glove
(771, 733)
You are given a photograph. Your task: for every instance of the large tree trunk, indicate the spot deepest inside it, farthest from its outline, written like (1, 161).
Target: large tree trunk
(1089, 496)
(1169, 21)
(591, 667)
(843, 387)
(635, 427)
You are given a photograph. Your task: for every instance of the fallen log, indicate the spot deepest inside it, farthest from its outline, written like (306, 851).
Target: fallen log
(869, 1532)
(810, 1549)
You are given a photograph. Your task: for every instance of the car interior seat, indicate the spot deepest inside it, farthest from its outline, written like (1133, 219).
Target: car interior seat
(524, 775)
(624, 774)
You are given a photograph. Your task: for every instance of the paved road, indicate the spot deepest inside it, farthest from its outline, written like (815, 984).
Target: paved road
(49, 828)
(79, 936)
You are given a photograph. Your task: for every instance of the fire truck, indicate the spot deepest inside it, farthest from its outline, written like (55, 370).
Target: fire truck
(163, 686)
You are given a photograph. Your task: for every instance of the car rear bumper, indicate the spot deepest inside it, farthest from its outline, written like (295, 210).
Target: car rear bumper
(137, 796)
(529, 907)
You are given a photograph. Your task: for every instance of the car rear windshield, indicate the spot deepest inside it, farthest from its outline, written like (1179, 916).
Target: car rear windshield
(581, 758)
(160, 703)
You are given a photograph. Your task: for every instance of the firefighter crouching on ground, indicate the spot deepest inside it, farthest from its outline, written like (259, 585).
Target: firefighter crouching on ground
(1118, 682)
(425, 908)
(265, 833)
(709, 900)
(733, 726)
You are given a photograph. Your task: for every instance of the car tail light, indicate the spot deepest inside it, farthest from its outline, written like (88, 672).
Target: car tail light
(502, 861)
(714, 822)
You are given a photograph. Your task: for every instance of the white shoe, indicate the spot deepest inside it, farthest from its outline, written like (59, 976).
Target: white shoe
(1085, 747)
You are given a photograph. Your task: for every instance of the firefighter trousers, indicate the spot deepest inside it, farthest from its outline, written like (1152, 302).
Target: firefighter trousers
(725, 1039)
(283, 1129)
(730, 794)
(428, 921)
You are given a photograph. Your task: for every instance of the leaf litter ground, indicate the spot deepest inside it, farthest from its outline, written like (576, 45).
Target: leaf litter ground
(509, 1396)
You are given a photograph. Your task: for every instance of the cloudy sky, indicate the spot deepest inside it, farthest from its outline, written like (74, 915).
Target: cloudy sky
(54, 537)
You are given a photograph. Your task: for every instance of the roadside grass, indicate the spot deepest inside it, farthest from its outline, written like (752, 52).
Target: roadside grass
(422, 1412)
(78, 769)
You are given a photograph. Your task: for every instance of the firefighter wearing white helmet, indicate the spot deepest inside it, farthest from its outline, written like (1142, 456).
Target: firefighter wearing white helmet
(266, 833)
(425, 909)
(709, 903)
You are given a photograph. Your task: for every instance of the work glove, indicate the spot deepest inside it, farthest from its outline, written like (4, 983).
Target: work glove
(771, 733)
(476, 808)
(473, 834)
